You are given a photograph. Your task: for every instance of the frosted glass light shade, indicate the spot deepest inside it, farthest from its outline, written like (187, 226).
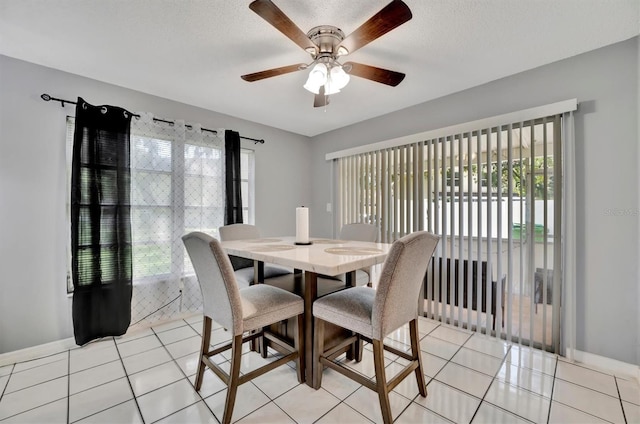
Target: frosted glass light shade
(317, 78)
(339, 78)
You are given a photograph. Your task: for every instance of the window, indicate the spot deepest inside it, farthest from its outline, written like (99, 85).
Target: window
(177, 186)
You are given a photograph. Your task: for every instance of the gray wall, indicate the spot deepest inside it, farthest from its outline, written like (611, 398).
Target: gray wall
(34, 307)
(605, 82)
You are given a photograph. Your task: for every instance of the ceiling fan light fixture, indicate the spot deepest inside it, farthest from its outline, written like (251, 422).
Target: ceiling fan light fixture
(317, 78)
(342, 51)
(339, 78)
(331, 88)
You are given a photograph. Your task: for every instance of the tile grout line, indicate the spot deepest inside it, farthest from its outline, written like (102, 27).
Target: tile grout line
(126, 374)
(504, 359)
(591, 388)
(572, 407)
(341, 402)
(4, 389)
(624, 415)
(553, 388)
(584, 412)
(17, 373)
(29, 409)
(68, 375)
(102, 384)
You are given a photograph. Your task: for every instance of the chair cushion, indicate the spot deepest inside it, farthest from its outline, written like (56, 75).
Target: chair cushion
(244, 276)
(350, 309)
(362, 277)
(263, 305)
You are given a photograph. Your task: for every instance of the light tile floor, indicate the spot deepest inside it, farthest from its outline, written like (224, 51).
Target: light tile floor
(147, 376)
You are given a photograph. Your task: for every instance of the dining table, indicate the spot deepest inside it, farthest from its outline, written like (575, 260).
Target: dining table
(310, 262)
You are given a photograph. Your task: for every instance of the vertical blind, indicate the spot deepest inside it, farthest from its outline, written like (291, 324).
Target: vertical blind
(493, 193)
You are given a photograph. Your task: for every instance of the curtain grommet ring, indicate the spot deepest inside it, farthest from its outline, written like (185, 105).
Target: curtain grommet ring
(103, 110)
(84, 105)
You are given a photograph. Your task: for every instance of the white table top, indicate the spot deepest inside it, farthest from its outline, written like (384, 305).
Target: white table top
(323, 256)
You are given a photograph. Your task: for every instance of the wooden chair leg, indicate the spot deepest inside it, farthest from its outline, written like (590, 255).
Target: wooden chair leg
(234, 376)
(417, 356)
(354, 352)
(264, 344)
(351, 352)
(299, 346)
(381, 381)
(318, 350)
(359, 348)
(204, 349)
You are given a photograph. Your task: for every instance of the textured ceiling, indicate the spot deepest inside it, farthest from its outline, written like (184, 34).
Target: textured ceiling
(195, 51)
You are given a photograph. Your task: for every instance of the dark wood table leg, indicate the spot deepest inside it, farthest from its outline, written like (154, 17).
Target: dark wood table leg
(258, 272)
(350, 280)
(310, 294)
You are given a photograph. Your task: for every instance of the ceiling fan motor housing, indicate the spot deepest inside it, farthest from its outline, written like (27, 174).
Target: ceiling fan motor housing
(327, 38)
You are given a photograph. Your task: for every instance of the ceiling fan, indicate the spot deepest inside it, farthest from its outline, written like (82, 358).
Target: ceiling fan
(327, 43)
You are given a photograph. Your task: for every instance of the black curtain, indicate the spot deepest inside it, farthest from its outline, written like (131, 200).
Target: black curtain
(100, 222)
(233, 179)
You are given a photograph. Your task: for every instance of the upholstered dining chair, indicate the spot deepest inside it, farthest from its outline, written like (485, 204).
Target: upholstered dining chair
(240, 310)
(359, 232)
(373, 314)
(243, 267)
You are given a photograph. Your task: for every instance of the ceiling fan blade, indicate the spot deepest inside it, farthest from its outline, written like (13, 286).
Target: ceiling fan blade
(257, 76)
(320, 99)
(391, 16)
(276, 17)
(372, 73)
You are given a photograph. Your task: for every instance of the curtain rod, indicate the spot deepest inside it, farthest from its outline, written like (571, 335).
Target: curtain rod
(48, 98)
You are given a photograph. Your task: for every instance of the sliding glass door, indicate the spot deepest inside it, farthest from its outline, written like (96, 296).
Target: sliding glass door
(493, 195)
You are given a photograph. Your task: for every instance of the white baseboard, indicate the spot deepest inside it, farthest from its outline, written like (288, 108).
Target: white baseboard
(39, 351)
(618, 368)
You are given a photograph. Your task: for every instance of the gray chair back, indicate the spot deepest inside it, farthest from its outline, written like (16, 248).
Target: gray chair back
(239, 232)
(402, 277)
(220, 294)
(359, 232)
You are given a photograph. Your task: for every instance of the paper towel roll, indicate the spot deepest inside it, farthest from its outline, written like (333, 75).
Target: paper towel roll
(302, 225)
